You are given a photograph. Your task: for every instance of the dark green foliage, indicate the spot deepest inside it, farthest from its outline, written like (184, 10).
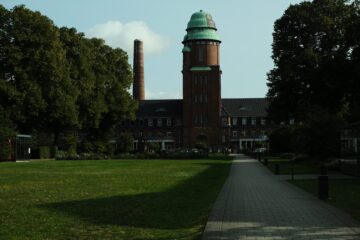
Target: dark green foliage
(281, 140)
(153, 146)
(44, 152)
(315, 50)
(318, 137)
(56, 81)
(7, 131)
(343, 193)
(124, 143)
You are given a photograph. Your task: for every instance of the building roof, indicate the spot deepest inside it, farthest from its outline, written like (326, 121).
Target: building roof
(235, 107)
(244, 107)
(201, 27)
(201, 19)
(160, 108)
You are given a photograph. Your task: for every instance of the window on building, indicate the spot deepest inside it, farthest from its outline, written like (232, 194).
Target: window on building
(159, 122)
(205, 79)
(141, 122)
(150, 123)
(196, 119)
(168, 122)
(224, 121)
(253, 121)
(200, 98)
(234, 133)
(169, 134)
(201, 119)
(234, 121)
(195, 79)
(263, 121)
(243, 133)
(195, 98)
(200, 79)
(292, 121)
(243, 121)
(205, 98)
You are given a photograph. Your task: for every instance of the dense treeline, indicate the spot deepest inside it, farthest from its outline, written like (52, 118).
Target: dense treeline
(316, 52)
(316, 78)
(58, 85)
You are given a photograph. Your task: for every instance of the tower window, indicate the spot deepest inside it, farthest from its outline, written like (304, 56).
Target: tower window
(234, 121)
(243, 121)
(168, 122)
(263, 121)
(159, 122)
(253, 121)
(201, 53)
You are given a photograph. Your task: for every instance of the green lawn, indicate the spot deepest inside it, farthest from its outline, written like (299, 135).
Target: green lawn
(301, 167)
(343, 193)
(117, 199)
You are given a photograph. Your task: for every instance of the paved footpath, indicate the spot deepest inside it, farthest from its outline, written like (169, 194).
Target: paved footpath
(255, 204)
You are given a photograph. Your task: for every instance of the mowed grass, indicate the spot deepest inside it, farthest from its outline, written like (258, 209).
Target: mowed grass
(343, 193)
(117, 199)
(301, 167)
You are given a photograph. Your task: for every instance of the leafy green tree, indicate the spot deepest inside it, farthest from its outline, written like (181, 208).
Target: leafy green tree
(56, 81)
(36, 79)
(125, 143)
(7, 131)
(103, 76)
(310, 53)
(281, 140)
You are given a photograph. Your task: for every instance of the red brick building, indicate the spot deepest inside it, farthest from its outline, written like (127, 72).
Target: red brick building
(202, 116)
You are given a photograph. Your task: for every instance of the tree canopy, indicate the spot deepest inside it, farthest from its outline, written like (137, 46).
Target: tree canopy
(55, 80)
(316, 57)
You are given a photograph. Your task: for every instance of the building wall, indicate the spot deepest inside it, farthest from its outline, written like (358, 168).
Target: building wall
(201, 93)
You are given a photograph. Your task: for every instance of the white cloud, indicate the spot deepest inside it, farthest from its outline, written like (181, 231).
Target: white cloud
(162, 95)
(122, 35)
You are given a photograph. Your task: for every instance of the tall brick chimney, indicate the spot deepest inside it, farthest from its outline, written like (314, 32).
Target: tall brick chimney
(138, 70)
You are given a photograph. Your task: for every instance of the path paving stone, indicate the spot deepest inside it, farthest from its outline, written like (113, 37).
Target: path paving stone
(255, 204)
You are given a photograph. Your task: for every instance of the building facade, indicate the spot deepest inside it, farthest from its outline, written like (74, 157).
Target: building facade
(202, 117)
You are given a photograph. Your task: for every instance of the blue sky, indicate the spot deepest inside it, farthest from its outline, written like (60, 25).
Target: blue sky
(245, 28)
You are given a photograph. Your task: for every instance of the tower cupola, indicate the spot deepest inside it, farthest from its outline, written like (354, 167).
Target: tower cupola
(201, 27)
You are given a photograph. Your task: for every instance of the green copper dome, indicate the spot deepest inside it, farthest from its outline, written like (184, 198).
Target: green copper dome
(201, 27)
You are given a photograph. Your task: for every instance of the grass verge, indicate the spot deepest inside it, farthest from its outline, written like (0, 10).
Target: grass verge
(343, 193)
(300, 167)
(112, 199)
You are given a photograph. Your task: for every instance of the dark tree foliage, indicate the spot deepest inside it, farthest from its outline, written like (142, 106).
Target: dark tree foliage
(280, 140)
(314, 59)
(124, 143)
(7, 131)
(59, 82)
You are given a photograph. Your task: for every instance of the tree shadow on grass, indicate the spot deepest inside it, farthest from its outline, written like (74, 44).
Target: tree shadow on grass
(183, 206)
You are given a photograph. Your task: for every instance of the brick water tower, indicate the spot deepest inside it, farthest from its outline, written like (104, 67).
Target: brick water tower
(201, 82)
